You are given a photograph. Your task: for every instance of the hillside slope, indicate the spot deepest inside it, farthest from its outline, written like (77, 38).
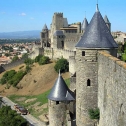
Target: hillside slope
(40, 79)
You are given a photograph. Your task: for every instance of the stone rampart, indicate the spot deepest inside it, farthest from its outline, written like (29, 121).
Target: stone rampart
(111, 90)
(11, 65)
(58, 53)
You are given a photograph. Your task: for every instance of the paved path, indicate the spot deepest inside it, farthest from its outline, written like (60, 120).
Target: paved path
(33, 121)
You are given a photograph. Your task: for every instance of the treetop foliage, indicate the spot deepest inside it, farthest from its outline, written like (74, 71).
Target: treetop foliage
(62, 65)
(9, 117)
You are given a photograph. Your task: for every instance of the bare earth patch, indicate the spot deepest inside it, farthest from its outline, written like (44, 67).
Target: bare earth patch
(30, 100)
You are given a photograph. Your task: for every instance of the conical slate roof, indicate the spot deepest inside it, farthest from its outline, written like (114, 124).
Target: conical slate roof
(97, 34)
(60, 91)
(45, 27)
(84, 24)
(106, 19)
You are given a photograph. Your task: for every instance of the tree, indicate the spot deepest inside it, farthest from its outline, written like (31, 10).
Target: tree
(10, 117)
(44, 60)
(15, 58)
(37, 58)
(29, 61)
(62, 65)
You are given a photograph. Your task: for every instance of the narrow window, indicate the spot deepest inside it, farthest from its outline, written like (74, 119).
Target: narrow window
(88, 82)
(83, 53)
(57, 102)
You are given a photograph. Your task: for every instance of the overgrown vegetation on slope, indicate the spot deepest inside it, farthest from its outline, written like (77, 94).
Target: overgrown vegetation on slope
(12, 77)
(9, 117)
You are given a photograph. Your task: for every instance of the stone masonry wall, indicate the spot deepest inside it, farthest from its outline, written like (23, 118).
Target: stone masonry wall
(57, 114)
(58, 53)
(71, 40)
(111, 90)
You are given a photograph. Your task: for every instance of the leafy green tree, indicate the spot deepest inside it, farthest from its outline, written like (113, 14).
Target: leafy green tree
(29, 61)
(94, 113)
(15, 58)
(10, 117)
(37, 58)
(16, 78)
(44, 60)
(62, 65)
(7, 76)
(124, 57)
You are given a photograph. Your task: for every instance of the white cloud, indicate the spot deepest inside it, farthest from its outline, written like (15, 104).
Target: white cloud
(22, 14)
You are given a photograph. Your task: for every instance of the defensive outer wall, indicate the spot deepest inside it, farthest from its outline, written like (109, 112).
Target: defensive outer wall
(111, 90)
(11, 65)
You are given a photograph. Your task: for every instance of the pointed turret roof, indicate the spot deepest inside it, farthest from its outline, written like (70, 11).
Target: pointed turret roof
(84, 24)
(60, 91)
(44, 27)
(106, 19)
(97, 34)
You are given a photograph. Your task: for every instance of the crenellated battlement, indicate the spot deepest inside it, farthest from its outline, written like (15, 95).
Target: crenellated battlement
(58, 14)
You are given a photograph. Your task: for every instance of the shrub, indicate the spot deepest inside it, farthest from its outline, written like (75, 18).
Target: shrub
(61, 64)
(37, 58)
(44, 60)
(94, 113)
(29, 61)
(28, 69)
(124, 57)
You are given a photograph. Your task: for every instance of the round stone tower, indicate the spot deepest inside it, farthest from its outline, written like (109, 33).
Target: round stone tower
(96, 37)
(59, 97)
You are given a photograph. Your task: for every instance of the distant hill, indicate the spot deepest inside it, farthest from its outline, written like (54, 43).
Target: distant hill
(20, 35)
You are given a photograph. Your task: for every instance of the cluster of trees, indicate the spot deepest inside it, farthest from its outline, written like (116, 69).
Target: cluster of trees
(12, 77)
(9, 117)
(42, 59)
(62, 65)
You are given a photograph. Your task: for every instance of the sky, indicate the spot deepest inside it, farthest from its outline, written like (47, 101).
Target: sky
(25, 15)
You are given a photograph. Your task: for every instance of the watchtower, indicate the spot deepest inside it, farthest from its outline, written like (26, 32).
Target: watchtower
(59, 97)
(96, 37)
(44, 37)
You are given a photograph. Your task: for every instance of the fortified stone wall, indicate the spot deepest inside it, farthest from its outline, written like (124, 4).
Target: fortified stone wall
(58, 53)
(111, 90)
(11, 65)
(71, 40)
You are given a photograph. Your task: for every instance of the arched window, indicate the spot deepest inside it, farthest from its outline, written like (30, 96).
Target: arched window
(88, 82)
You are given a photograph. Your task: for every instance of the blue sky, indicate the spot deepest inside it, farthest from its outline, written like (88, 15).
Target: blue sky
(23, 15)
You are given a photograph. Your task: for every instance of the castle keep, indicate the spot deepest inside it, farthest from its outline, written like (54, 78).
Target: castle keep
(97, 77)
